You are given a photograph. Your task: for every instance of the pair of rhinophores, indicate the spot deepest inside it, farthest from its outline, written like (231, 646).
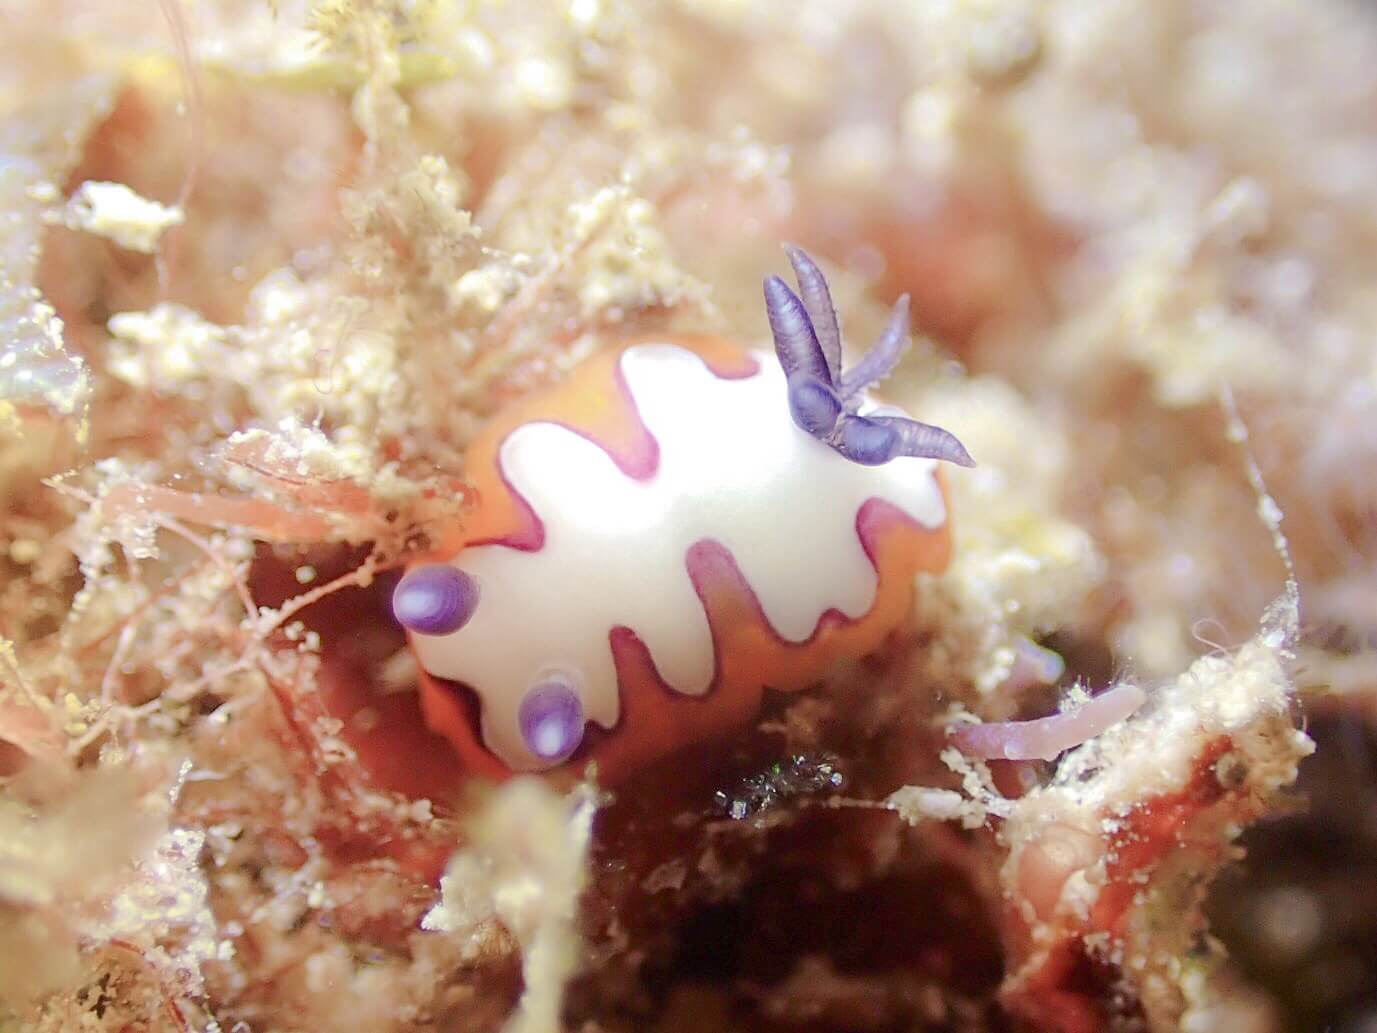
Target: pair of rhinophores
(679, 525)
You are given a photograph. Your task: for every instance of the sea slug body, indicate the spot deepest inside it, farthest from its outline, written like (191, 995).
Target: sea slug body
(658, 539)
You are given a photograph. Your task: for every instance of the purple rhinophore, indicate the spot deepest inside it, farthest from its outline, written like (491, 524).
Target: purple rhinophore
(796, 342)
(551, 718)
(912, 438)
(436, 599)
(884, 354)
(866, 442)
(817, 303)
(815, 406)
(825, 402)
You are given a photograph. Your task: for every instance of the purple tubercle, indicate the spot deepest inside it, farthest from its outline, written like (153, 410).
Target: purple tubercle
(551, 719)
(824, 401)
(435, 599)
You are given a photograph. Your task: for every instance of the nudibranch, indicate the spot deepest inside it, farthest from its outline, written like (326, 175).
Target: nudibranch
(677, 526)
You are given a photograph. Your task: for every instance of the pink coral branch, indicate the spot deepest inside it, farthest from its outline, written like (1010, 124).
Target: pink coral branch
(1045, 737)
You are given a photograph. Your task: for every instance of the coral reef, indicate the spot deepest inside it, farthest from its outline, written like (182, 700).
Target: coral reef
(268, 269)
